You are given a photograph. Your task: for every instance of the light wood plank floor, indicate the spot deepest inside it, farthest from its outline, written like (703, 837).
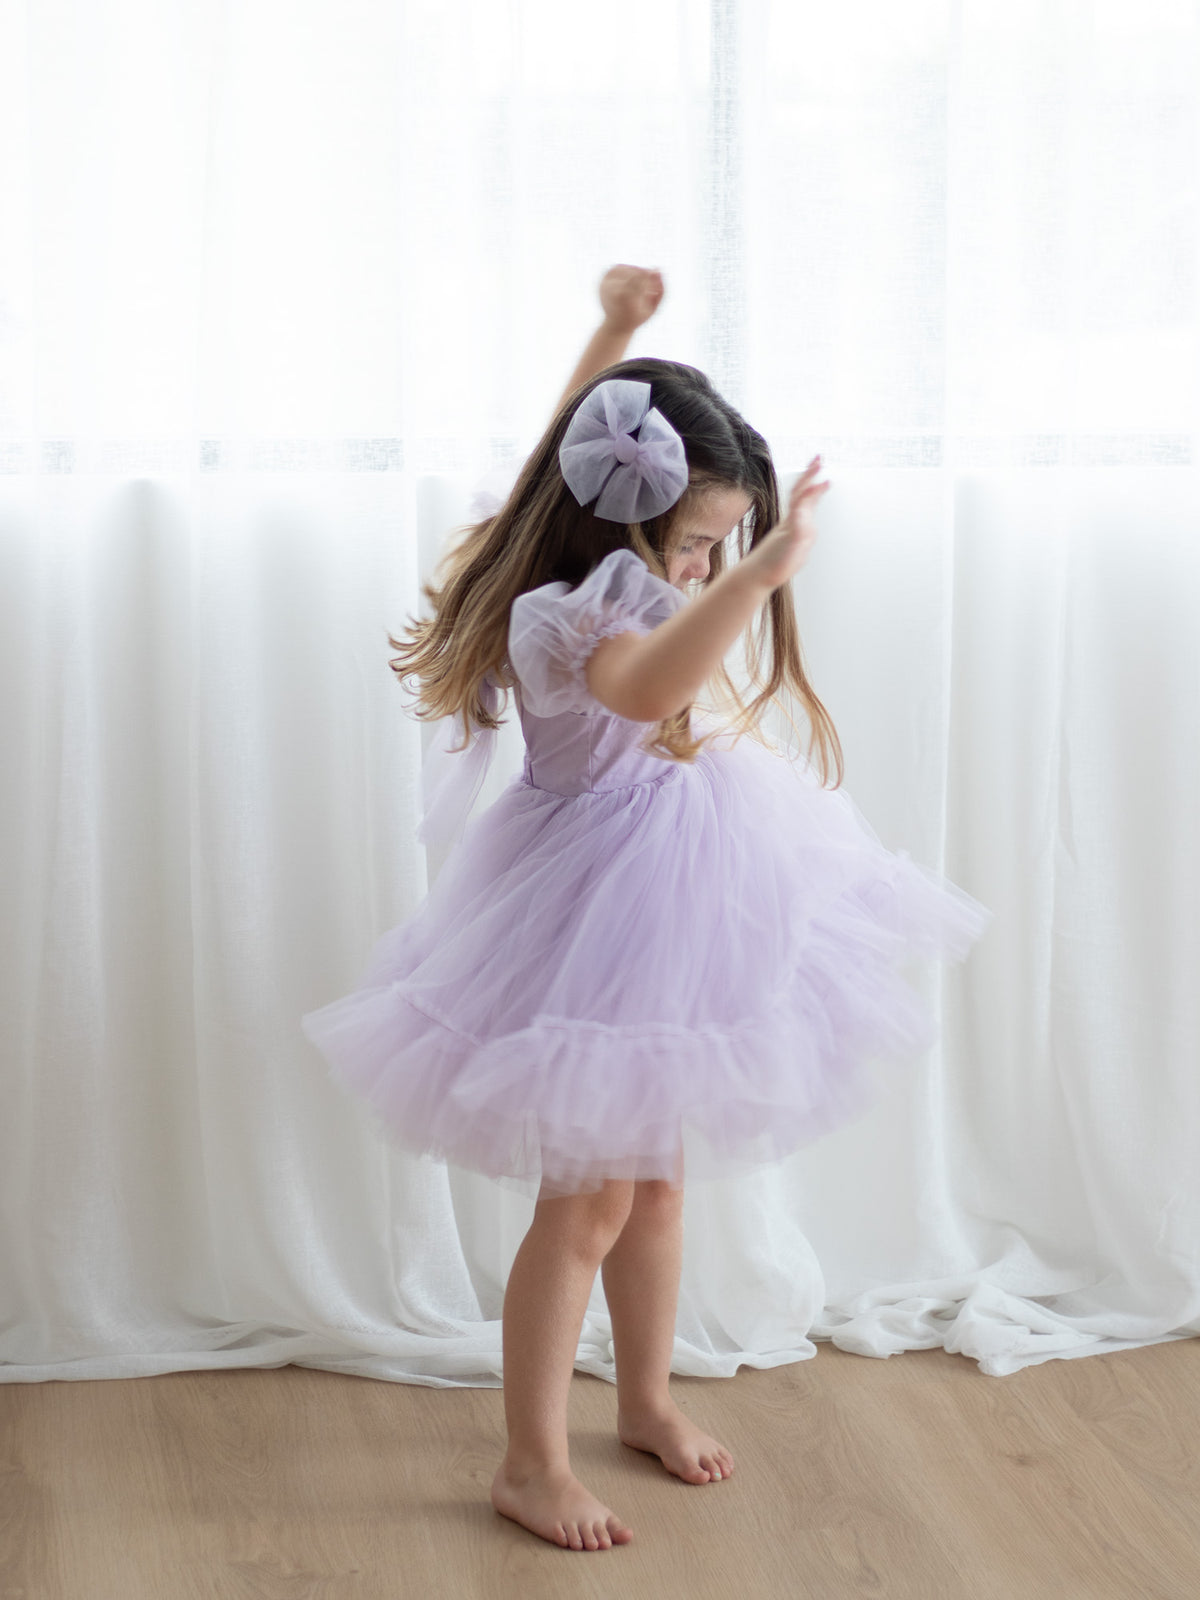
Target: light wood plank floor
(911, 1477)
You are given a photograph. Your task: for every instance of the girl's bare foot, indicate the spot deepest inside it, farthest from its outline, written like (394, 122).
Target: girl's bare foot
(557, 1507)
(681, 1447)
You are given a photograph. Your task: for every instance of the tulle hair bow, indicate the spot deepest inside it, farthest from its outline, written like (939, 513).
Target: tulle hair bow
(634, 478)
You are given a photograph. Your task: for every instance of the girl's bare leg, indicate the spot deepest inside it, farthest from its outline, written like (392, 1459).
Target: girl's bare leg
(641, 1285)
(544, 1303)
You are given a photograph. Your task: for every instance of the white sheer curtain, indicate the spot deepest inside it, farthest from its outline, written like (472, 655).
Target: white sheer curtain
(277, 283)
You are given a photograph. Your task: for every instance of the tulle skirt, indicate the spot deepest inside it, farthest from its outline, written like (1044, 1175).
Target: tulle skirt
(684, 978)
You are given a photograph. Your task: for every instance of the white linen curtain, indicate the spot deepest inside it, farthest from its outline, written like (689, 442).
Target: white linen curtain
(277, 284)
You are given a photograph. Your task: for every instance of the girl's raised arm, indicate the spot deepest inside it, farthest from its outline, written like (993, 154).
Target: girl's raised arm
(629, 296)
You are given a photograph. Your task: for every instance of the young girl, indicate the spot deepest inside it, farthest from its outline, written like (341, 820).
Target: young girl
(665, 948)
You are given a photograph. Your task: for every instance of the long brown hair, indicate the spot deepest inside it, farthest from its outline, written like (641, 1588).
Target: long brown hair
(542, 535)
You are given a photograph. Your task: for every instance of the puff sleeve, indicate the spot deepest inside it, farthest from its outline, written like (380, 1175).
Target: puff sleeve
(553, 630)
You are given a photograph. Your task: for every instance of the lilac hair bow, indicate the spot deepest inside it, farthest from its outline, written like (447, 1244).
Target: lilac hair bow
(634, 478)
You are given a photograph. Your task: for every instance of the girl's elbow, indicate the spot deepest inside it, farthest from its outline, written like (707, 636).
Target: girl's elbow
(637, 705)
(617, 677)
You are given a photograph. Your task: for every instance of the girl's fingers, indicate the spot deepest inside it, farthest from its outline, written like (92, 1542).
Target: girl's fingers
(802, 492)
(810, 471)
(801, 489)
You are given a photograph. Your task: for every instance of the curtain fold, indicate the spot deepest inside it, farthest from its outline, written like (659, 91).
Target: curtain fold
(278, 285)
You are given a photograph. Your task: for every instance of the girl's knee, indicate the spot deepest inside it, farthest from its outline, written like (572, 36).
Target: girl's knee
(656, 1197)
(588, 1223)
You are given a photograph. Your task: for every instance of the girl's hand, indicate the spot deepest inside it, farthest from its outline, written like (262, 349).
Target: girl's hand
(630, 296)
(786, 548)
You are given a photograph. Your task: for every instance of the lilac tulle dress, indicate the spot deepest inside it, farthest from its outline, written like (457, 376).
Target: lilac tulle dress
(631, 967)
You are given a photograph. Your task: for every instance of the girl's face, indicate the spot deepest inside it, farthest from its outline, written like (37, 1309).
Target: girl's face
(712, 518)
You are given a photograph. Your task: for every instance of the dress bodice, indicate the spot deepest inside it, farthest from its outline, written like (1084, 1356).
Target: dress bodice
(573, 743)
(577, 751)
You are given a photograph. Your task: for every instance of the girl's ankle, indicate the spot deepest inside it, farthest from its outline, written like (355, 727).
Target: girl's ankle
(522, 1465)
(651, 1405)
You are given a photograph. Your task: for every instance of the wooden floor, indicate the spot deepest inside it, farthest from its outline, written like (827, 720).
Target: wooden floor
(911, 1477)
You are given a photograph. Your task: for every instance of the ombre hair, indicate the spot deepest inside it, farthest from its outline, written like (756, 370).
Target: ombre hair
(542, 535)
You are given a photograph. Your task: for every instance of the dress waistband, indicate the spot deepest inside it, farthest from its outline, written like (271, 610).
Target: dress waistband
(672, 773)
